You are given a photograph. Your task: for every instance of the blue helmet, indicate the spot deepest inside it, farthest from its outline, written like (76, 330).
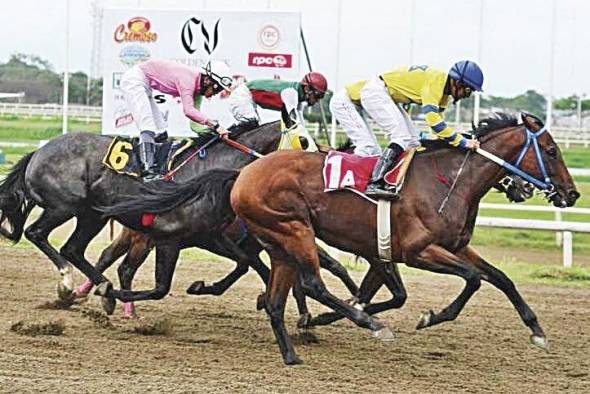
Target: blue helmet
(468, 73)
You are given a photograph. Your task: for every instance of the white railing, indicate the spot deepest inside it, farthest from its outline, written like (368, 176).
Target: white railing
(565, 227)
(90, 114)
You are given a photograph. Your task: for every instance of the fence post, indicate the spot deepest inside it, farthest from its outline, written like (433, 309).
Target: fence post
(567, 249)
(558, 234)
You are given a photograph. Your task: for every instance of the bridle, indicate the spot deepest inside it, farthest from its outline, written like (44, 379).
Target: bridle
(544, 183)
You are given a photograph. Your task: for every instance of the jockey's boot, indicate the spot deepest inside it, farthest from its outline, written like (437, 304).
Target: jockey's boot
(376, 187)
(147, 155)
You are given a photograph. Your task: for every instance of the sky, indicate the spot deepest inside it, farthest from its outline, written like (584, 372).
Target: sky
(350, 40)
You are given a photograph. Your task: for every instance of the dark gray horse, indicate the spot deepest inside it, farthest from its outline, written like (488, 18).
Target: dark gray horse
(67, 179)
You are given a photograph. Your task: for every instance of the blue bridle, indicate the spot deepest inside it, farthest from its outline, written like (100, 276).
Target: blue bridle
(531, 138)
(545, 183)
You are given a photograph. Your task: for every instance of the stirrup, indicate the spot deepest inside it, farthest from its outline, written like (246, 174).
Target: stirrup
(378, 192)
(151, 176)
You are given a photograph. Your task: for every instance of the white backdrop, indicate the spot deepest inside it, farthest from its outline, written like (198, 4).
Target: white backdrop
(254, 44)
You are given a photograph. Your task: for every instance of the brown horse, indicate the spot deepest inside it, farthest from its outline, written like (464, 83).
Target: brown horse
(281, 199)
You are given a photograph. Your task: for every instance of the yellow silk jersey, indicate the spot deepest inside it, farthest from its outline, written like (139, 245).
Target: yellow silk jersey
(421, 85)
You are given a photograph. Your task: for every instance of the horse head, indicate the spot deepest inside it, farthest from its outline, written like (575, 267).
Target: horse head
(543, 160)
(529, 151)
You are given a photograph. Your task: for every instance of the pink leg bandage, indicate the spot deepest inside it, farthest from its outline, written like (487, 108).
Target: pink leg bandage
(129, 310)
(83, 289)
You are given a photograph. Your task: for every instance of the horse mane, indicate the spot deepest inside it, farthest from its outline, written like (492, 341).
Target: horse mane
(497, 121)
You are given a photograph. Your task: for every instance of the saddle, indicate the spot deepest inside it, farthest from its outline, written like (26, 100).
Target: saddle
(122, 156)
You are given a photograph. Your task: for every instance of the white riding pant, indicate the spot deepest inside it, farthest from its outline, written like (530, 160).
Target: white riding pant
(393, 119)
(350, 117)
(138, 95)
(241, 104)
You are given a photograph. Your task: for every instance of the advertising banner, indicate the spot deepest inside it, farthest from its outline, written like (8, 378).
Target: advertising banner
(255, 45)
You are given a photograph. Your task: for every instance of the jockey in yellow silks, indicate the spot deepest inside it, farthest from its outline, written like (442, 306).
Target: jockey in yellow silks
(381, 98)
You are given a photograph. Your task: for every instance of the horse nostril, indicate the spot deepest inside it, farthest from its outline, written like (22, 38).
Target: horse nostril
(573, 195)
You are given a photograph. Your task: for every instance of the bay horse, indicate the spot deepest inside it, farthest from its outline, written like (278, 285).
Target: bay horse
(281, 199)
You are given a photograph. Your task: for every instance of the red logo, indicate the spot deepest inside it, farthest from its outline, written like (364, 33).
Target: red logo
(138, 29)
(270, 60)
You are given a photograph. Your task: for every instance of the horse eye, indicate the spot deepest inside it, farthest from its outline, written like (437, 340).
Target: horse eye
(552, 151)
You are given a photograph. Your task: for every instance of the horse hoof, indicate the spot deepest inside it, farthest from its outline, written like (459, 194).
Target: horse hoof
(196, 287)
(108, 305)
(540, 342)
(261, 301)
(108, 302)
(383, 334)
(64, 293)
(304, 320)
(425, 320)
(293, 360)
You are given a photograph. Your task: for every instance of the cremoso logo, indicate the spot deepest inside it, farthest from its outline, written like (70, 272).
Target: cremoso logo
(270, 60)
(138, 30)
(194, 33)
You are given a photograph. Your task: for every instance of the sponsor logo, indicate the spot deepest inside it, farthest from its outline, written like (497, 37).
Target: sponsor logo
(269, 37)
(194, 33)
(117, 80)
(133, 54)
(137, 30)
(270, 60)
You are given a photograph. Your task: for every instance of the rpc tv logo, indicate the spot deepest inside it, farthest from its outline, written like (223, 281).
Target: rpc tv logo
(270, 60)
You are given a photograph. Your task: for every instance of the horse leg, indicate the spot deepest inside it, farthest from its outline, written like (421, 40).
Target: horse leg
(109, 255)
(437, 259)
(302, 248)
(379, 274)
(227, 248)
(304, 315)
(498, 279)
(166, 258)
(282, 277)
(38, 234)
(138, 253)
(331, 264)
(87, 227)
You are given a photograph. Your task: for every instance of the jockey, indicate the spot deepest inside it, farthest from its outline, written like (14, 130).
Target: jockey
(288, 97)
(381, 97)
(176, 80)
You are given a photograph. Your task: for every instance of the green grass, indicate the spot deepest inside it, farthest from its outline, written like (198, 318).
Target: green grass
(34, 129)
(528, 272)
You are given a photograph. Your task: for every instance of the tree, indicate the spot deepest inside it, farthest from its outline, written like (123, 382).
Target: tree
(35, 76)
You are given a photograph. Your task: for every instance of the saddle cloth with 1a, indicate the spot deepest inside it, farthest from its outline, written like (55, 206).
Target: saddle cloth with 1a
(352, 172)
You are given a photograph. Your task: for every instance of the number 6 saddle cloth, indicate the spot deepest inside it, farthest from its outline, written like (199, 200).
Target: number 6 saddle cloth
(123, 154)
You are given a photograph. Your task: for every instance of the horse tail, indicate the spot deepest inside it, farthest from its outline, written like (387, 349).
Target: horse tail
(14, 206)
(162, 196)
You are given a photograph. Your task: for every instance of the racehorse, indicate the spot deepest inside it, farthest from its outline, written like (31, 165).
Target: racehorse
(66, 178)
(282, 201)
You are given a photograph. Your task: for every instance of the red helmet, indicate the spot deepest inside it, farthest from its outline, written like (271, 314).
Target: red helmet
(316, 81)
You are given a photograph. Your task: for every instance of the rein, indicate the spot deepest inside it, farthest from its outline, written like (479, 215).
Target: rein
(173, 172)
(226, 140)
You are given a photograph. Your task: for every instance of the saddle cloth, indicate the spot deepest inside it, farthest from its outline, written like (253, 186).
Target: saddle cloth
(347, 171)
(122, 155)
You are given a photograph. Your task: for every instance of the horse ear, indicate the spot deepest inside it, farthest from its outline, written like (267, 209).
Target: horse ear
(531, 121)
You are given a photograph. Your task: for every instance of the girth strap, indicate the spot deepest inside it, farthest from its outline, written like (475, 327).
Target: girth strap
(384, 230)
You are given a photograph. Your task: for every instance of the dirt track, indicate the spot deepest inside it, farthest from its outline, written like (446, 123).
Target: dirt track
(224, 345)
